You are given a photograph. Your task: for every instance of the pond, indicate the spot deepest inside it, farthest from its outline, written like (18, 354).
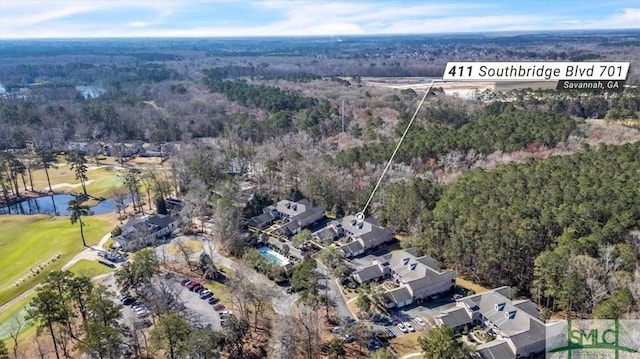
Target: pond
(57, 205)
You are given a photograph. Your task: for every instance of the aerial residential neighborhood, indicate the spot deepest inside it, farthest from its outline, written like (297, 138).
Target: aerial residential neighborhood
(353, 179)
(414, 278)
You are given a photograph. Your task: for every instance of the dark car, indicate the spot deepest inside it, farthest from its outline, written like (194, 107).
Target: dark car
(106, 263)
(184, 282)
(193, 284)
(213, 300)
(390, 333)
(199, 289)
(127, 300)
(205, 294)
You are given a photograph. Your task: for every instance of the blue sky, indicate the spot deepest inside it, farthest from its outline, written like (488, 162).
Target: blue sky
(177, 18)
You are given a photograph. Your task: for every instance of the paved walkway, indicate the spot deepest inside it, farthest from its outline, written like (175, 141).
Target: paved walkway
(412, 355)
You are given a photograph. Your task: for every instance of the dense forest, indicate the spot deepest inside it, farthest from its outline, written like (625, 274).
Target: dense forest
(510, 130)
(488, 223)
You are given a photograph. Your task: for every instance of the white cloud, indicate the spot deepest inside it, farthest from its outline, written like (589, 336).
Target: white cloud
(141, 23)
(52, 18)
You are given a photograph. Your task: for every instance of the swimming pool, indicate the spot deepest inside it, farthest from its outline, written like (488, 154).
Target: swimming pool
(273, 256)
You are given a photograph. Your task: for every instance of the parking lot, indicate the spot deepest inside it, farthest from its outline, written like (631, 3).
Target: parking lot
(196, 310)
(187, 303)
(388, 324)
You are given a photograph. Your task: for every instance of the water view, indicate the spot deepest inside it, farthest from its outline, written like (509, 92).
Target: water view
(56, 205)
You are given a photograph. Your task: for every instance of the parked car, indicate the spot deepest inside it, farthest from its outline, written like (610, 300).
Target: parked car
(336, 329)
(402, 328)
(373, 345)
(390, 333)
(409, 326)
(184, 282)
(193, 284)
(106, 263)
(143, 313)
(139, 309)
(218, 307)
(381, 319)
(206, 294)
(127, 300)
(419, 321)
(347, 338)
(197, 289)
(213, 300)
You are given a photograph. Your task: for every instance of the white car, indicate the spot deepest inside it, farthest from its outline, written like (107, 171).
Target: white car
(419, 321)
(402, 328)
(409, 326)
(140, 309)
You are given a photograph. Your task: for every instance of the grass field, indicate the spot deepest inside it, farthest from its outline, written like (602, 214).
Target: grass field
(477, 288)
(405, 344)
(16, 311)
(89, 268)
(30, 241)
(191, 245)
(101, 180)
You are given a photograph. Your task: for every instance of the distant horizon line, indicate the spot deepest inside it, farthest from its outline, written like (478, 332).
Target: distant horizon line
(488, 32)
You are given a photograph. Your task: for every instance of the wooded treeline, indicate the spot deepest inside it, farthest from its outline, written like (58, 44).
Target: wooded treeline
(488, 224)
(509, 130)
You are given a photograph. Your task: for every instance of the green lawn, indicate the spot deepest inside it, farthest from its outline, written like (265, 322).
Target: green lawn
(16, 311)
(29, 241)
(102, 180)
(89, 268)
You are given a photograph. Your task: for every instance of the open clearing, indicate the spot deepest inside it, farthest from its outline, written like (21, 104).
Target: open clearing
(451, 87)
(476, 288)
(29, 241)
(89, 268)
(406, 344)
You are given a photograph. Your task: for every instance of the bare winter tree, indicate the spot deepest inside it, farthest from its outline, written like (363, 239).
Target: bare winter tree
(259, 299)
(196, 202)
(186, 251)
(14, 330)
(242, 291)
(288, 338)
(308, 324)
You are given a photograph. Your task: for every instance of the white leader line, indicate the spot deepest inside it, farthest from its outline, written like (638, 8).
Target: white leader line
(360, 215)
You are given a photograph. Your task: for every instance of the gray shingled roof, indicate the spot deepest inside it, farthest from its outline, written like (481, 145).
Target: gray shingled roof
(367, 230)
(496, 349)
(161, 220)
(455, 317)
(522, 327)
(368, 273)
(351, 248)
(260, 220)
(326, 234)
(399, 295)
(528, 306)
(410, 267)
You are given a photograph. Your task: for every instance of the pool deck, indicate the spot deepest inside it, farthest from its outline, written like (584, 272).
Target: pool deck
(283, 261)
